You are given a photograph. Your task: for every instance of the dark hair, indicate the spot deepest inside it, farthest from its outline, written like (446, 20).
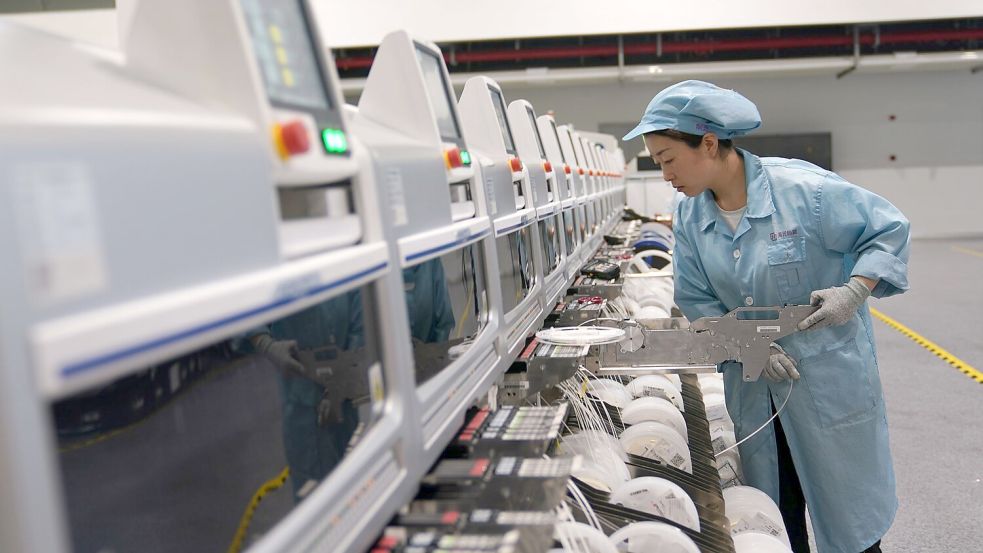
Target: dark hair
(694, 140)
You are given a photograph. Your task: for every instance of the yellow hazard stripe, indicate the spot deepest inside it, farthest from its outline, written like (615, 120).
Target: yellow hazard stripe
(269, 486)
(967, 251)
(931, 346)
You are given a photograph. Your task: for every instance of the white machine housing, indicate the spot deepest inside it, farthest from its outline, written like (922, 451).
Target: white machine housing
(172, 221)
(509, 192)
(532, 151)
(408, 116)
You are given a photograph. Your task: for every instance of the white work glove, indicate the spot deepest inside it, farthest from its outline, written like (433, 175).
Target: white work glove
(281, 352)
(836, 305)
(780, 366)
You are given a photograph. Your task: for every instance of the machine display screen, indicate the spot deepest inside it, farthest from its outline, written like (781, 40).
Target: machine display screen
(285, 54)
(535, 132)
(515, 265)
(557, 135)
(570, 231)
(503, 121)
(447, 304)
(573, 148)
(438, 92)
(551, 243)
(169, 457)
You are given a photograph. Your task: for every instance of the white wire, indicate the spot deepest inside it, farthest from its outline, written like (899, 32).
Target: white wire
(766, 423)
(581, 335)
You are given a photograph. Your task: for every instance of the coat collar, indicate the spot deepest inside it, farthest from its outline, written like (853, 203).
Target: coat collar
(760, 202)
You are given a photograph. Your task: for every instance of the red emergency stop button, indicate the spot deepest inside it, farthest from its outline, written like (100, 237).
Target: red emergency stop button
(291, 139)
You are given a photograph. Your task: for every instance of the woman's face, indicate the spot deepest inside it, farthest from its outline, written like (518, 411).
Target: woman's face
(690, 170)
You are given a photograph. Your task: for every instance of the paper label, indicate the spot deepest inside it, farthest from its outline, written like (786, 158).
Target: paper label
(716, 411)
(377, 387)
(58, 229)
(490, 194)
(397, 196)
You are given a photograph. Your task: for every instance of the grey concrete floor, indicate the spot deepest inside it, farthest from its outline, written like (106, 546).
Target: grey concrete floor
(934, 409)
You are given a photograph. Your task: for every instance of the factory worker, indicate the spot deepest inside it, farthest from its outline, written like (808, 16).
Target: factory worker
(314, 443)
(772, 231)
(428, 302)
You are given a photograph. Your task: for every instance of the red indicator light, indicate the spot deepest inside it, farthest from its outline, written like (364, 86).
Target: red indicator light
(515, 164)
(295, 138)
(566, 169)
(580, 170)
(548, 167)
(452, 158)
(449, 517)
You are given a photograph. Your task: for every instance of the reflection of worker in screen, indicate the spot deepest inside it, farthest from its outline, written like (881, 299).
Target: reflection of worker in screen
(428, 302)
(314, 443)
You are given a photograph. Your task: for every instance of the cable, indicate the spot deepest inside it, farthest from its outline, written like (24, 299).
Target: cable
(766, 423)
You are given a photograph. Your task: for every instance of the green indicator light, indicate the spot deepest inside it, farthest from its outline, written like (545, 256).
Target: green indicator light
(465, 157)
(334, 140)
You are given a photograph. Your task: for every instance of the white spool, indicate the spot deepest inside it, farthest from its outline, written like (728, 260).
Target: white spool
(649, 535)
(716, 407)
(654, 409)
(712, 384)
(657, 385)
(587, 441)
(660, 497)
(752, 542)
(609, 391)
(580, 335)
(654, 440)
(752, 510)
(584, 538)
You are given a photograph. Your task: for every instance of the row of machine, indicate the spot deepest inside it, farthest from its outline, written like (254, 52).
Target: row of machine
(238, 313)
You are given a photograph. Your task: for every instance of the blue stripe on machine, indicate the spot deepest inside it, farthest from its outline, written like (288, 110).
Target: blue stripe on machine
(447, 246)
(94, 362)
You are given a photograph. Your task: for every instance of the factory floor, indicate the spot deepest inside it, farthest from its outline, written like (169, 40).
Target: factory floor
(933, 408)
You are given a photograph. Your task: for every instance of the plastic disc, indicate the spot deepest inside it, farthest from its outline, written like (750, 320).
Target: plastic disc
(660, 497)
(654, 440)
(751, 510)
(753, 542)
(656, 385)
(646, 536)
(654, 409)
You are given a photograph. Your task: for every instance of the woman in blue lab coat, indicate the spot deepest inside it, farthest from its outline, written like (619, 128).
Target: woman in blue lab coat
(773, 231)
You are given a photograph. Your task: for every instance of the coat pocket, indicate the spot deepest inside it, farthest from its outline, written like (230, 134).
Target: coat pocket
(839, 384)
(786, 262)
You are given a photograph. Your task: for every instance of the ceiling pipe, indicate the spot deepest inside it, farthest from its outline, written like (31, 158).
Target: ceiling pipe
(856, 54)
(661, 47)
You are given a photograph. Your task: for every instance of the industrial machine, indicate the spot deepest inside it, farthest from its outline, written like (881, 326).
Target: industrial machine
(511, 205)
(545, 197)
(427, 161)
(200, 311)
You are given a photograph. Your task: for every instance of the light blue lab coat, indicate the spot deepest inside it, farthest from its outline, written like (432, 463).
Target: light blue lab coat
(805, 229)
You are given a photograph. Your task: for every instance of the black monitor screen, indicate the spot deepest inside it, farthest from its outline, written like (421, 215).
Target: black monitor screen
(439, 93)
(535, 132)
(448, 306)
(168, 456)
(503, 121)
(558, 144)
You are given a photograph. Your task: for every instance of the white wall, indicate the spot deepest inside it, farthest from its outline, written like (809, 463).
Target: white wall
(937, 134)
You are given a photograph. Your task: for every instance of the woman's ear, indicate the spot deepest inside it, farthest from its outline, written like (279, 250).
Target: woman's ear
(710, 144)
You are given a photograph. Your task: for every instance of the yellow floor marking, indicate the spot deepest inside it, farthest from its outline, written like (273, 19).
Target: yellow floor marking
(270, 485)
(931, 346)
(968, 251)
